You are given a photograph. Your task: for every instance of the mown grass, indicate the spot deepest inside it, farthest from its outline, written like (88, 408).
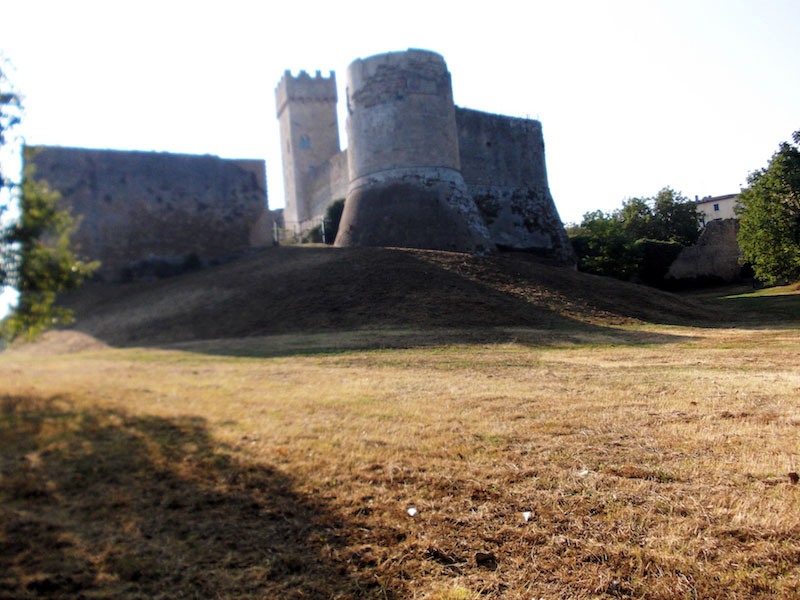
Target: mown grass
(654, 463)
(772, 304)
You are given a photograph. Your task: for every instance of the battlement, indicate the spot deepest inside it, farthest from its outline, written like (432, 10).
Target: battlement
(305, 88)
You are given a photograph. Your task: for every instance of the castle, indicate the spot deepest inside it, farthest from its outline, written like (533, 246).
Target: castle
(418, 171)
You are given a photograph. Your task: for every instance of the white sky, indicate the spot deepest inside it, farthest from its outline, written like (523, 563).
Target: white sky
(633, 95)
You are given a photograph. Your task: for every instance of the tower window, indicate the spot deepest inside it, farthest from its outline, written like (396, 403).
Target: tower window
(305, 142)
(716, 208)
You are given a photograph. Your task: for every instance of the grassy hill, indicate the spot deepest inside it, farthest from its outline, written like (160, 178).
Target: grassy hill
(313, 289)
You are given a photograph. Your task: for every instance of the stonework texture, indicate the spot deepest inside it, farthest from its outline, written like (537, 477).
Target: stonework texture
(502, 160)
(405, 185)
(421, 172)
(309, 130)
(413, 208)
(715, 257)
(138, 206)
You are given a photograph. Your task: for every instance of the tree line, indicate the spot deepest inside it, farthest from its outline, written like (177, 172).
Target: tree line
(640, 240)
(769, 213)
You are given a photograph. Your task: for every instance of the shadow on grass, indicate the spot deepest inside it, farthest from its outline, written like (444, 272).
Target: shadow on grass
(308, 344)
(772, 311)
(98, 503)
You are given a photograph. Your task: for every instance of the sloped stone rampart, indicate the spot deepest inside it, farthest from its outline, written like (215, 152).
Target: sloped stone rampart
(405, 185)
(413, 208)
(503, 164)
(715, 257)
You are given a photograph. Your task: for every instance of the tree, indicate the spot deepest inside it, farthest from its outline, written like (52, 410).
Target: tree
(769, 213)
(639, 240)
(603, 246)
(675, 218)
(636, 217)
(35, 256)
(10, 117)
(38, 245)
(327, 230)
(331, 219)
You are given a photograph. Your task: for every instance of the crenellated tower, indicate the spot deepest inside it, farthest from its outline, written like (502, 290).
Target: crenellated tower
(309, 131)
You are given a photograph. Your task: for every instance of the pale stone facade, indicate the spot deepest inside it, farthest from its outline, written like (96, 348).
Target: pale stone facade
(717, 208)
(309, 130)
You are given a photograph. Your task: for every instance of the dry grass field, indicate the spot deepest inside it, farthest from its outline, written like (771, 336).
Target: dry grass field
(599, 459)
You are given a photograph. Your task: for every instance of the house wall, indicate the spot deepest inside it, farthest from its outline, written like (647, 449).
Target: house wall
(717, 208)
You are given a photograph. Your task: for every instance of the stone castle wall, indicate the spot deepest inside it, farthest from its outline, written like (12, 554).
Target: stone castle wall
(400, 113)
(405, 185)
(139, 205)
(309, 129)
(715, 257)
(328, 182)
(503, 163)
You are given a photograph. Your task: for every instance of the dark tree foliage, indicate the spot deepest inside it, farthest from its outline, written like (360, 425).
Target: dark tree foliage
(327, 230)
(44, 264)
(35, 256)
(675, 218)
(331, 219)
(769, 213)
(312, 236)
(603, 246)
(639, 240)
(653, 258)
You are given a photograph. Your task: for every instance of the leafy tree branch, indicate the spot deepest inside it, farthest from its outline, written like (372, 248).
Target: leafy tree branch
(769, 213)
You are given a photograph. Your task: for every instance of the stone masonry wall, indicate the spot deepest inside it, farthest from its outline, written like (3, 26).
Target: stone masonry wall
(503, 164)
(400, 113)
(328, 182)
(420, 168)
(306, 108)
(405, 186)
(715, 257)
(138, 205)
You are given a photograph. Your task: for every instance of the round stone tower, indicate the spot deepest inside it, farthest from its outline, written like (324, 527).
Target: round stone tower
(406, 187)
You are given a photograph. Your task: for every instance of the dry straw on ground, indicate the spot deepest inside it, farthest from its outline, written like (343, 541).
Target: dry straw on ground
(650, 470)
(557, 436)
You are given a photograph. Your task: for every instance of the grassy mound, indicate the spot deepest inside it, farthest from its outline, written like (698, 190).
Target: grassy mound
(289, 290)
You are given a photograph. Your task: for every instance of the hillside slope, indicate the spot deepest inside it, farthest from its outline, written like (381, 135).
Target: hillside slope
(310, 289)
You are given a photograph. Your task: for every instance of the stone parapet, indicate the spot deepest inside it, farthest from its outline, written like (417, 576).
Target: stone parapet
(305, 88)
